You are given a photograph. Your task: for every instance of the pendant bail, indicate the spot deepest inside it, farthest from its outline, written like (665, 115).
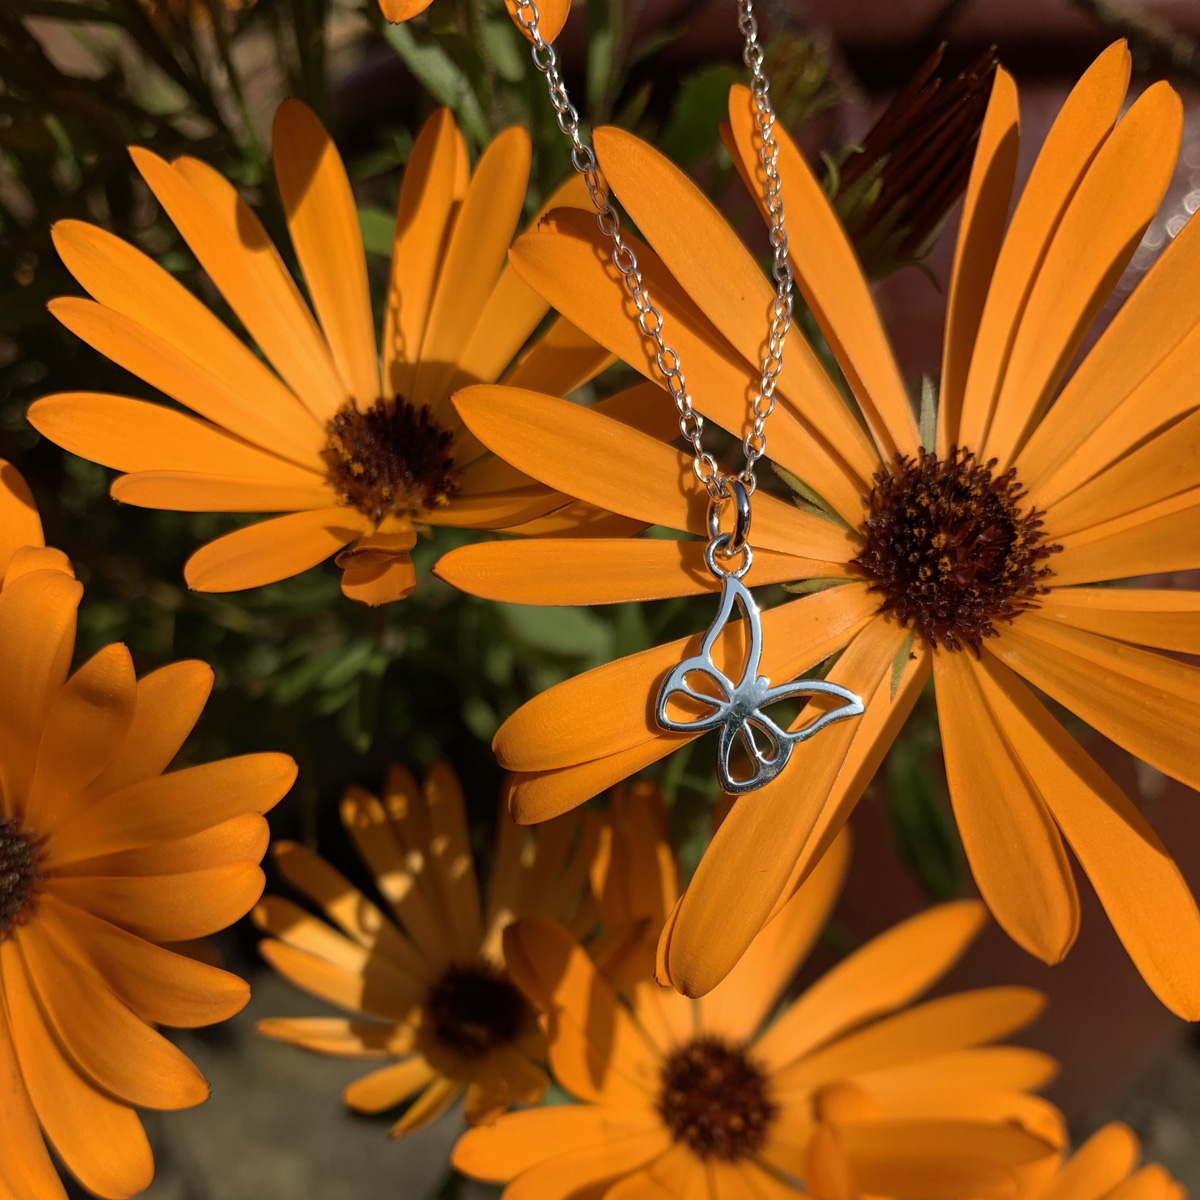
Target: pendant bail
(735, 544)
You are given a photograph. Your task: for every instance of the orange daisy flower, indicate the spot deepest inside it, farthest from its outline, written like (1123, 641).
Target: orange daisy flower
(349, 450)
(103, 859)
(699, 1100)
(431, 994)
(552, 13)
(981, 552)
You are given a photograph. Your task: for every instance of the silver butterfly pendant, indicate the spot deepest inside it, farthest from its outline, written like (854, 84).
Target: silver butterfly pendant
(738, 709)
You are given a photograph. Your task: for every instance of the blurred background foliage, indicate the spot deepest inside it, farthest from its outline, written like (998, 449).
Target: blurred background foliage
(300, 668)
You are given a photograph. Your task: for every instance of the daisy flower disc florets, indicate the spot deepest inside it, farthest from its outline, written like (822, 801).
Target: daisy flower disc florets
(951, 549)
(475, 1009)
(391, 458)
(19, 874)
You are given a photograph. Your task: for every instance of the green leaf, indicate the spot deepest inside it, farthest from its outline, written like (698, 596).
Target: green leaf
(506, 49)
(804, 587)
(806, 499)
(570, 631)
(701, 104)
(378, 230)
(441, 77)
(929, 407)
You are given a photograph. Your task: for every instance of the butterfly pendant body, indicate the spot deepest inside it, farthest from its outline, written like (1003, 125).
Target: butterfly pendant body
(738, 709)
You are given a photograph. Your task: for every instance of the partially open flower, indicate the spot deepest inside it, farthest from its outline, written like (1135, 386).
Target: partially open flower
(893, 192)
(552, 14)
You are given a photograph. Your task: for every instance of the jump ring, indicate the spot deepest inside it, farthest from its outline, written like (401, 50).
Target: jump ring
(721, 544)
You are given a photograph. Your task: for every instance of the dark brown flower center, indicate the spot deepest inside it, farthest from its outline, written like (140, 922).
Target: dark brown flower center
(20, 879)
(474, 1009)
(390, 458)
(950, 549)
(714, 1100)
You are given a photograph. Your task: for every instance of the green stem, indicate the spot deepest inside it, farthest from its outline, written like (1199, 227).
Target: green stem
(252, 141)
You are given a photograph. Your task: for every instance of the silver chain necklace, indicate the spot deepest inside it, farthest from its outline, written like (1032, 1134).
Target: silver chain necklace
(737, 707)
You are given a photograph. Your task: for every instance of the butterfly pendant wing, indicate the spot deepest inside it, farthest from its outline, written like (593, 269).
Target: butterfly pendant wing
(737, 709)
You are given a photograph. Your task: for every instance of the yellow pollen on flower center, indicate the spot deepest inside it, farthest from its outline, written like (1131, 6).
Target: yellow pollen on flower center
(950, 549)
(475, 1009)
(20, 878)
(715, 1100)
(392, 458)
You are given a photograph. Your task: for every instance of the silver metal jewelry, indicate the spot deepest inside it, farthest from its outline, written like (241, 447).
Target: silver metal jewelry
(739, 713)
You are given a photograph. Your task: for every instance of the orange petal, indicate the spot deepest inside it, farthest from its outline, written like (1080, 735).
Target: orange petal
(830, 278)
(826, 1171)
(568, 261)
(576, 721)
(28, 559)
(401, 877)
(1145, 702)
(402, 10)
(348, 908)
(167, 908)
(37, 639)
(1099, 1165)
(100, 1140)
(355, 990)
(1154, 540)
(1010, 838)
(953, 1159)
(483, 228)
(886, 711)
(997, 1068)
(587, 1171)
(585, 453)
(234, 249)
(128, 282)
(323, 222)
(596, 1051)
(1167, 619)
(25, 1168)
(737, 1006)
(427, 1107)
(887, 973)
(521, 1141)
(552, 16)
(602, 570)
(20, 524)
(271, 550)
(285, 429)
(85, 725)
(949, 1023)
(562, 359)
(1141, 888)
(109, 1046)
(190, 491)
(1096, 238)
(330, 1035)
(1083, 123)
(451, 857)
(389, 1086)
(168, 703)
(729, 900)
(719, 274)
(578, 518)
(133, 435)
(239, 840)
(173, 806)
(1135, 380)
(162, 987)
(424, 212)
(980, 235)
(380, 583)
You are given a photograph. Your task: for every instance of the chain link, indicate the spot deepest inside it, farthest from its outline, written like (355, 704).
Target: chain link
(649, 319)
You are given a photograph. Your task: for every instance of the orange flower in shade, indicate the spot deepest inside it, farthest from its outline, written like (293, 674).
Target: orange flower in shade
(984, 557)
(432, 996)
(699, 1100)
(103, 858)
(352, 453)
(1103, 1168)
(552, 14)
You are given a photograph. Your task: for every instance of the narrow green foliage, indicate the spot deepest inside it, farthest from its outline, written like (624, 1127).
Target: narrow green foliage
(929, 414)
(901, 662)
(805, 587)
(441, 76)
(806, 499)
